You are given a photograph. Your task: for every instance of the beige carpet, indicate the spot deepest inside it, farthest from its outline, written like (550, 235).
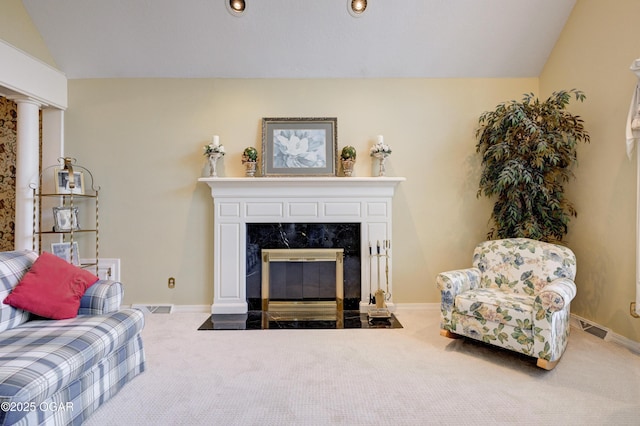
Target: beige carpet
(408, 376)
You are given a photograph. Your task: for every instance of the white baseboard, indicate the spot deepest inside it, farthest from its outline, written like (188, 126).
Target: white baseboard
(189, 309)
(418, 306)
(633, 346)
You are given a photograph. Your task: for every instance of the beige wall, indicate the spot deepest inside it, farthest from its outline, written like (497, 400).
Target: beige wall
(143, 139)
(594, 53)
(17, 29)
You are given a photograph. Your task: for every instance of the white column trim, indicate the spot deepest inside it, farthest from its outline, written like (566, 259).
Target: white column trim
(635, 68)
(30, 82)
(27, 160)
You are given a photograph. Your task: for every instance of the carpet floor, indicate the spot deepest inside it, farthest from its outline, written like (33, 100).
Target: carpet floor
(404, 376)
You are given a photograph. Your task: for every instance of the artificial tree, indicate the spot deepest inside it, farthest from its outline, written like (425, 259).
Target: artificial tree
(528, 151)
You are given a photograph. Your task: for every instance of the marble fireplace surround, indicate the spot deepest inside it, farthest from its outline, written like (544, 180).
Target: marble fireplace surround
(239, 201)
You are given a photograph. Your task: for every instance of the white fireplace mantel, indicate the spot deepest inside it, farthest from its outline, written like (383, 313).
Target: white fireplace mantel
(238, 201)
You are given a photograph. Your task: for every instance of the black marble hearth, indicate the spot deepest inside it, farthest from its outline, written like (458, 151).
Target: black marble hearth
(304, 235)
(255, 320)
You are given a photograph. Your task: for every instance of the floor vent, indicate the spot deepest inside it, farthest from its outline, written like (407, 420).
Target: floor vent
(594, 329)
(154, 309)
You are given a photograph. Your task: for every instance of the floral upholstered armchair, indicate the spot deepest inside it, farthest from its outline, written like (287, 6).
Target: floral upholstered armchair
(516, 296)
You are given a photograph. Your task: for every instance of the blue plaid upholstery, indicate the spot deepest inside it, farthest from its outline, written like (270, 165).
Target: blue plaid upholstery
(76, 402)
(13, 266)
(101, 298)
(59, 372)
(83, 360)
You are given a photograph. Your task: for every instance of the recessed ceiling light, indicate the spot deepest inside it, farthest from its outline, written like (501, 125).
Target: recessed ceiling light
(236, 7)
(356, 7)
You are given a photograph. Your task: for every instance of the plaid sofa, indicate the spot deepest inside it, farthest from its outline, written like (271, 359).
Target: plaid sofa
(58, 372)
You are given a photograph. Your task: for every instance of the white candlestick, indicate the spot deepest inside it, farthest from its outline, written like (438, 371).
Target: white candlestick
(380, 139)
(216, 140)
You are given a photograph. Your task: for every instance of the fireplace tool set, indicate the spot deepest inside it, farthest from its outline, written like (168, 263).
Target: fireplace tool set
(380, 297)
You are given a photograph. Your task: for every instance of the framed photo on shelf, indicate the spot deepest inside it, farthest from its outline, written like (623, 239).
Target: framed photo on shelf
(63, 251)
(299, 146)
(64, 184)
(65, 219)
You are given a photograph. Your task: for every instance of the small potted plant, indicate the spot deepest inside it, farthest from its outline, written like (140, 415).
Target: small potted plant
(348, 159)
(249, 160)
(213, 151)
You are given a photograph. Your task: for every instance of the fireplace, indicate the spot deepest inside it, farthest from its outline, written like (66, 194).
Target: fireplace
(305, 236)
(239, 203)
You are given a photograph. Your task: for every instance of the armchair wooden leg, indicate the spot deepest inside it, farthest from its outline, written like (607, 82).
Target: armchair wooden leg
(447, 333)
(547, 365)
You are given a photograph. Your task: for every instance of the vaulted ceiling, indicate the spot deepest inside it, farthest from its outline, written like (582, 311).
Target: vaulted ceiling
(300, 38)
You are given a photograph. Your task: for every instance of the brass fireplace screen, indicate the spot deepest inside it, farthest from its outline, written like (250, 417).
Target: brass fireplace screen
(302, 255)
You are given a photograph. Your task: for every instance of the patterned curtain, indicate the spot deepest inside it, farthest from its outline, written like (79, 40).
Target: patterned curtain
(8, 124)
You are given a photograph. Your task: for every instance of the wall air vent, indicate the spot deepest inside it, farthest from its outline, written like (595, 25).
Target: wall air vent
(154, 309)
(592, 328)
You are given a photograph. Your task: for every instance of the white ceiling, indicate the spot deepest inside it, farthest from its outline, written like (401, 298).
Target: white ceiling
(300, 38)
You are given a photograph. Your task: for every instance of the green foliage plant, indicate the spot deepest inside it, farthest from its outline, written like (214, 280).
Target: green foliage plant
(528, 152)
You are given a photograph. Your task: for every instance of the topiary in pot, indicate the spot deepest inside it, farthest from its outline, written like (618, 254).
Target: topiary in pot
(348, 159)
(528, 151)
(249, 160)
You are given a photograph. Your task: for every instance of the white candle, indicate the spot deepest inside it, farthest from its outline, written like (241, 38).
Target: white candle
(380, 139)
(216, 140)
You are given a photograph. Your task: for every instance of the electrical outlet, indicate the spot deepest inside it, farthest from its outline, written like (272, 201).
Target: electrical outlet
(632, 310)
(172, 282)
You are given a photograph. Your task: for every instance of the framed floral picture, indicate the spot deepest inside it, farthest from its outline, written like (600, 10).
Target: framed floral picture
(299, 146)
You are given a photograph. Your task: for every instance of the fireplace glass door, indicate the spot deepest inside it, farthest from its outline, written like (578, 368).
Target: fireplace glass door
(292, 278)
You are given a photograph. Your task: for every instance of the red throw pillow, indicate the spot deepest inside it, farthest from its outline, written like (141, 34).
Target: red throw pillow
(52, 288)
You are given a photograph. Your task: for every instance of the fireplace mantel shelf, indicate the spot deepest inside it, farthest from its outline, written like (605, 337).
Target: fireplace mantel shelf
(239, 201)
(322, 186)
(328, 179)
